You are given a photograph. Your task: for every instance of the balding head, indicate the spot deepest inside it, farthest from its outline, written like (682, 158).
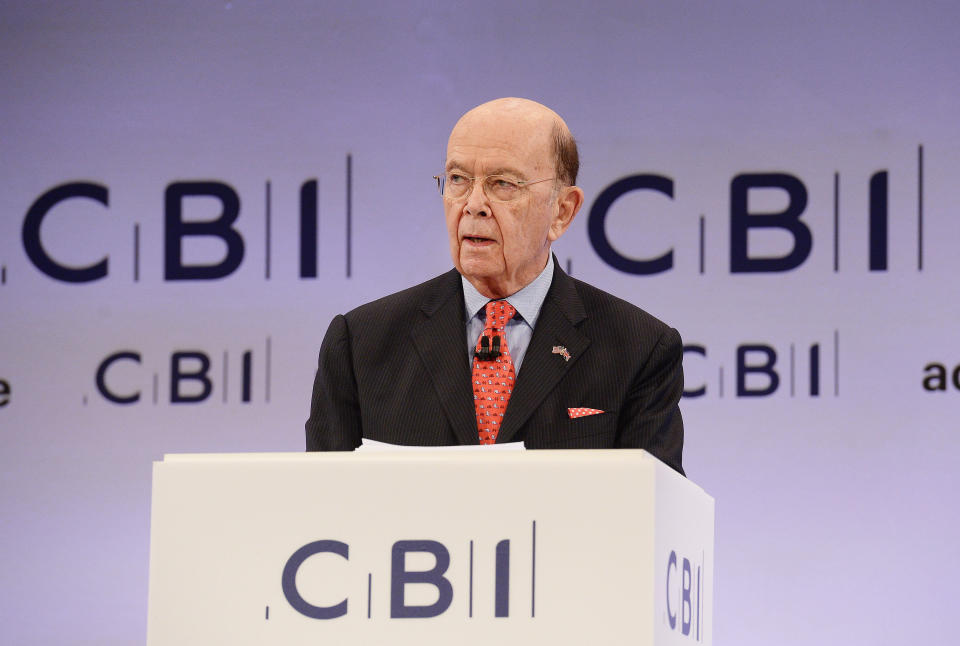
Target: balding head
(539, 121)
(502, 242)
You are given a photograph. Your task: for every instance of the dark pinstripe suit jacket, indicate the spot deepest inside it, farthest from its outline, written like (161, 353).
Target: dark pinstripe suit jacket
(396, 370)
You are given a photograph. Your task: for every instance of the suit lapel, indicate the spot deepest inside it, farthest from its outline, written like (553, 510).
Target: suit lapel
(542, 369)
(440, 339)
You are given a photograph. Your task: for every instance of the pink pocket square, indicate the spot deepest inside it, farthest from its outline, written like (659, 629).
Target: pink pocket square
(582, 412)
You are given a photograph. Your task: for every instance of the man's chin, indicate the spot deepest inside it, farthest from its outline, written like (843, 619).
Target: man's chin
(487, 281)
(479, 266)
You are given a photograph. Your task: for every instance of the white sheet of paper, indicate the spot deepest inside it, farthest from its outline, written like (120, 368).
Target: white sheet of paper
(373, 445)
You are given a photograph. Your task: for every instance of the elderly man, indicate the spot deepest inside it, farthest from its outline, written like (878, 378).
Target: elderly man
(506, 347)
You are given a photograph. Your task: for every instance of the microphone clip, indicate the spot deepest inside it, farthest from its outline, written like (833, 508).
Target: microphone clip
(485, 353)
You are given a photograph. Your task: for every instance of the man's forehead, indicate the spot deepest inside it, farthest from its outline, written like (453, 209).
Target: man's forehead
(500, 124)
(500, 144)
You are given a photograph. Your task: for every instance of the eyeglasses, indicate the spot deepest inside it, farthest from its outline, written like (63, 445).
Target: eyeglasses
(454, 185)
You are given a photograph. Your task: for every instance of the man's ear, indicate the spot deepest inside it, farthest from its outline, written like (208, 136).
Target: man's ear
(568, 203)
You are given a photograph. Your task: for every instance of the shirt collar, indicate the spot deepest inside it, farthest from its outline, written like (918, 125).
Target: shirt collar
(527, 301)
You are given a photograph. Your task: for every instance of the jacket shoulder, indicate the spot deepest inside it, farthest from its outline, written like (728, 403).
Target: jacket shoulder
(606, 309)
(404, 304)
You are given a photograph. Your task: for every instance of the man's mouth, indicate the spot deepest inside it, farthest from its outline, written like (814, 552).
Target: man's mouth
(477, 239)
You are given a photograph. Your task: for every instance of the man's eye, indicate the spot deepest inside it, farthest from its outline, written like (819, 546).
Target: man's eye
(504, 183)
(456, 178)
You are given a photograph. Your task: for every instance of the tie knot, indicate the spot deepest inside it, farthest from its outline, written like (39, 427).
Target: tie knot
(498, 313)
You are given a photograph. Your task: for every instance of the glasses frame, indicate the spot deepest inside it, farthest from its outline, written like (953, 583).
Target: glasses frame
(522, 183)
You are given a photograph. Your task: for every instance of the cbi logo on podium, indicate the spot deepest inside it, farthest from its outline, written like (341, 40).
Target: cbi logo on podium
(684, 595)
(439, 578)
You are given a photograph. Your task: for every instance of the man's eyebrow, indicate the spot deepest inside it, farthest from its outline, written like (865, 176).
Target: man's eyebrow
(500, 170)
(506, 170)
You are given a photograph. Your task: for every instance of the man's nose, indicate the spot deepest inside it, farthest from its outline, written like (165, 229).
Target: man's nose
(477, 203)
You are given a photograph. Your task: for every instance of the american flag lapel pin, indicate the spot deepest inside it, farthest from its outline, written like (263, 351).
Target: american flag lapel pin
(562, 351)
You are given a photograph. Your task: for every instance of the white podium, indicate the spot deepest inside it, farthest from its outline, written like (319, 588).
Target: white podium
(424, 547)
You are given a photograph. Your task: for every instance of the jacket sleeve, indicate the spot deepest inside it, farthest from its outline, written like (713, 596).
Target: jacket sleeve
(334, 423)
(650, 417)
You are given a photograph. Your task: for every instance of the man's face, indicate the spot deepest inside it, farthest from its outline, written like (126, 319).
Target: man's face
(501, 246)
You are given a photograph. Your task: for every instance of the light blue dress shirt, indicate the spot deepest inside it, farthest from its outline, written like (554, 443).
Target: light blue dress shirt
(519, 330)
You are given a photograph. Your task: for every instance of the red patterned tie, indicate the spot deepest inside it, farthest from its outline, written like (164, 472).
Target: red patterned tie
(493, 374)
